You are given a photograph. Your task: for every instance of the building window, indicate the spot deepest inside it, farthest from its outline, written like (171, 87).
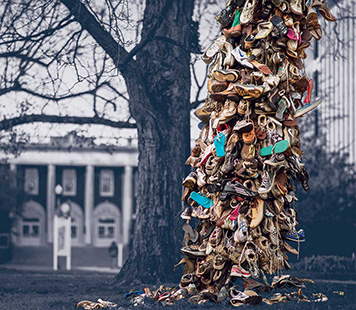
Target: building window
(106, 228)
(31, 228)
(107, 183)
(31, 181)
(101, 232)
(69, 181)
(74, 232)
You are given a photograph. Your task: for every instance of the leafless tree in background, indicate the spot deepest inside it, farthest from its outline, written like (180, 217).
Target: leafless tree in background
(78, 62)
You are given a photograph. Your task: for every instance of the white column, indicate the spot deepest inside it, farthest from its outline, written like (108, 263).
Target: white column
(13, 168)
(127, 204)
(51, 200)
(89, 202)
(14, 232)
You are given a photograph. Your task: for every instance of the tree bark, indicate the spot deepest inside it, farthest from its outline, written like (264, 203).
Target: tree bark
(158, 84)
(162, 115)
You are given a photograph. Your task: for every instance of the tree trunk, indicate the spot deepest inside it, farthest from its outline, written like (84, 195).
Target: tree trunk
(161, 111)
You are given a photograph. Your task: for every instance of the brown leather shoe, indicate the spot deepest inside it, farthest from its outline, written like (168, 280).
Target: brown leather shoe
(215, 86)
(325, 12)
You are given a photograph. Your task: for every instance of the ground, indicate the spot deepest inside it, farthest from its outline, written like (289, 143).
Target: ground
(61, 291)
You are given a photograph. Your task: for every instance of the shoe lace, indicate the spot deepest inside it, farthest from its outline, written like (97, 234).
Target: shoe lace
(265, 179)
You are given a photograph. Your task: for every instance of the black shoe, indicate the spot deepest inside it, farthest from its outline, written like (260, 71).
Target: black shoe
(236, 188)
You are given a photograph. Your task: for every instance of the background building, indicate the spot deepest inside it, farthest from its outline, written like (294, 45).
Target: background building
(98, 183)
(331, 63)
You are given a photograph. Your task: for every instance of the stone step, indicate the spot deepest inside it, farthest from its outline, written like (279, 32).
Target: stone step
(81, 256)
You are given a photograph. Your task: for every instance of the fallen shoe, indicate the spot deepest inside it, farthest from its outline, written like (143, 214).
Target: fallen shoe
(276, 299)
(186, 214)
(133, 294)
(107, 303)
(86, 304)
(238, 297)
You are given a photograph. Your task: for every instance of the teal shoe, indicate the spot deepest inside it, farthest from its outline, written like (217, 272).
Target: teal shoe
(219, 142)
(202, 200)
(307, 108)
(279, 147)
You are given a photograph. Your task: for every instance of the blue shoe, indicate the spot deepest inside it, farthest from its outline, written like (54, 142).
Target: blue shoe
(202, 200)
(219, 142)
(296, 236)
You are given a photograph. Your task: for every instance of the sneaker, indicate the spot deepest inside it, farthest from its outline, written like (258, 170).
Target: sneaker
(236, 188)
(238, 271)
(247, 12)
(243, 126)
(297, 236)
(267, 182)
(241, 57)
(307, 108)
(192, 251)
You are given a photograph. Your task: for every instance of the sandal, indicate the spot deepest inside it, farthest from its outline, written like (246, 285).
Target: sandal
(279, 147)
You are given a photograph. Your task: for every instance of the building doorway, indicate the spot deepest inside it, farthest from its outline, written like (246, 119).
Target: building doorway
(107, 219)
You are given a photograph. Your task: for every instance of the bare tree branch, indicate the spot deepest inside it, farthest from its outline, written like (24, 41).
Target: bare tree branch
(99, 33)
(41, 118)
(19, 55)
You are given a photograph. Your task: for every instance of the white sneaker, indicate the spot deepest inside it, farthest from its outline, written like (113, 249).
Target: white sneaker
(241, 57)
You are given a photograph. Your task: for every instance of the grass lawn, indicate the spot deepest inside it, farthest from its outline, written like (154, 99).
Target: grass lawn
(48, 290)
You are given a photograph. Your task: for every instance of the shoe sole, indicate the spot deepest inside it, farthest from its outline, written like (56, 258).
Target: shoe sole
(242, 91)
(223, 76)
(193, 253)
(308, 109)
(295, 240)
(279, 147)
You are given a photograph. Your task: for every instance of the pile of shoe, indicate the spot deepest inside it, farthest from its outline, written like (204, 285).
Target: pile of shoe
(248, 156)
